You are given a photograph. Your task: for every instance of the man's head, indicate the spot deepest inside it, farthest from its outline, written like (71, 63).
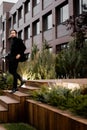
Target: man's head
(13, 33)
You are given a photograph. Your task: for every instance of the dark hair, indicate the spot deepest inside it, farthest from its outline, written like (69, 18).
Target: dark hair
(13, 30)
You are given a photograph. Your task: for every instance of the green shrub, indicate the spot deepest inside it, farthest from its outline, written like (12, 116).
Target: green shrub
(41, 94)
(41, 65)
(63, 98)
(6, 81)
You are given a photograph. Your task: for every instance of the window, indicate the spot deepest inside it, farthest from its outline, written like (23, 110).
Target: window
(14, 18)
(9, 23)
(3, 44)
(20, 34)
(35, 2)
(27, 6)
(27, 32)
(36, 27)
(61, 47)
(80, 6)
(63, 13)
(47, 22)
(20, 13)
(3, 25)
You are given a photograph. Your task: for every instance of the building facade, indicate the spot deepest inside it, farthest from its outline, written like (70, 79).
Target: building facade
(39, 20)
(4, 15)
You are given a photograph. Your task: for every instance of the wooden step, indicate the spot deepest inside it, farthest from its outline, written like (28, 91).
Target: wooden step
(3, 114)
(36, 83)
(18, 95)
(21, 98)
(5, 101)
(27, 89)
(12, 106)
(2, 108)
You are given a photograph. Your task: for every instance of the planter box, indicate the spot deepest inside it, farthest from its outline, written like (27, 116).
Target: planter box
(45, 117)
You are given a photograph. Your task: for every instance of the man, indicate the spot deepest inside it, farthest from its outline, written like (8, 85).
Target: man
(17, 49)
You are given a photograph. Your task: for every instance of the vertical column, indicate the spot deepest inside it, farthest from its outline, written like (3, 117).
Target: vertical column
(17, 20)
(71, 8)
(41, 24)
(23, 17)
(11, 21)
(31, 28)
(23, 11)
(54, 27)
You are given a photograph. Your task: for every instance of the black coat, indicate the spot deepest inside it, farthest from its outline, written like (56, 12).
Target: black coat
(17, 47)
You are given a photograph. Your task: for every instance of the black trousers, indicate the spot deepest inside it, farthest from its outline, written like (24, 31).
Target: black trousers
(13, 64)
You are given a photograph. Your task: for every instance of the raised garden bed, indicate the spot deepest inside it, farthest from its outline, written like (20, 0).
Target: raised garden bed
(45, 117)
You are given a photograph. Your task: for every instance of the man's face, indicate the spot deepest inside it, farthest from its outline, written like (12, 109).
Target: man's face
(13, 34)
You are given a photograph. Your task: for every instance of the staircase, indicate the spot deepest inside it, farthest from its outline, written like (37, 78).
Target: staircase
(13, 105)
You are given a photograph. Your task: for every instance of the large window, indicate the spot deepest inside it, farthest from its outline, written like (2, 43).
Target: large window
(27, 6)
(63, 13)
(61, 47)
(36, 27)
(20, 34)
(3, 26)
(14, 18)
(20, 13)
(35, 2)
(27, 32)
(80, 6)
(47, 21)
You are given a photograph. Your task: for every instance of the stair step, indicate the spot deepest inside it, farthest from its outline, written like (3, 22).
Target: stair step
(36, 83)
(27, 88)
(2, 108)
(3, 114)
(17, 95)
(5, 101)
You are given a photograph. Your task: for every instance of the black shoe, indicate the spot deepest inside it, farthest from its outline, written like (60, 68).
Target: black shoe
(16, 89)
(13, 91)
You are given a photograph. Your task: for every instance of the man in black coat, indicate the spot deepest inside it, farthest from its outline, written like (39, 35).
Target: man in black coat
(17, 49)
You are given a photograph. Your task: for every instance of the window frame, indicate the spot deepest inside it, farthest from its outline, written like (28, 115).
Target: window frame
(46, 21)
(36, 24)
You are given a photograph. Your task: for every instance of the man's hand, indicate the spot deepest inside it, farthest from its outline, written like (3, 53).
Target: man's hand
(18, 56)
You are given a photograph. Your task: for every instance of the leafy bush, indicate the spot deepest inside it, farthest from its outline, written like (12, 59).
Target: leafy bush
(72, 63)
(63, 98)
(81, 105)
(6, 81)
(41, 64)
(41, 95)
